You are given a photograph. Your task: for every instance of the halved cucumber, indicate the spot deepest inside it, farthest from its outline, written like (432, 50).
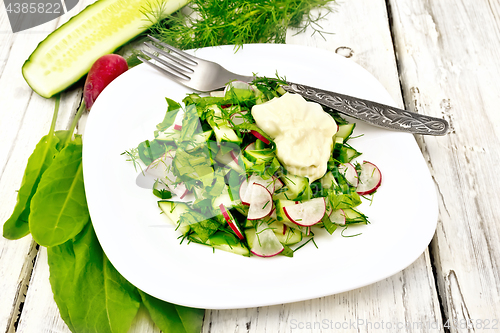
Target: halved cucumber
(67, 54)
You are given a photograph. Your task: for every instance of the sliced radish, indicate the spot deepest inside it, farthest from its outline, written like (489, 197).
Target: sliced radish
(251, 146)
(267, 183)
(260, 200)
(234, 156)
(350, 173)
(238, 118)
(218, 93)
(177, 127)
(337, 217)
(260, 137)
(370, 178)
(231, 221)
(245, 190)
(244, 194)
(307, 213)
(238, 85)
(263, 241)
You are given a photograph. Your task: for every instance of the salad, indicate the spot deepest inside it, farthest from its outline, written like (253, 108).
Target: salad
(224, 182)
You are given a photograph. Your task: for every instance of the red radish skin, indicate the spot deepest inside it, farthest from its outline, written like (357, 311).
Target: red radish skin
(350, 173)
(337, 217)
(245, 196)
(229, 220)
(103, 71)
(177, 127)
(261, 202)
(370, 178)
(260, 137)
(250, 146)
(186, 192)
(234, 157)
(266, 256)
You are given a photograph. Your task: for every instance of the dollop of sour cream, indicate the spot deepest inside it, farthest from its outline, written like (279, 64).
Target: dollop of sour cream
(303, 133)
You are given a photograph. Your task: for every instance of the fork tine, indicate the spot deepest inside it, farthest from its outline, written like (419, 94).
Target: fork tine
(177, 76)
(177, 60)
(175, 50)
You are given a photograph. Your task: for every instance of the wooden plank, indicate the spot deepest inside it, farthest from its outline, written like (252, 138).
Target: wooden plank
(448, 55)
(25, 118)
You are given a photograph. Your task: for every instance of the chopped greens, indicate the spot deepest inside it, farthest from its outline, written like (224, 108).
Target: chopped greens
(213, 180)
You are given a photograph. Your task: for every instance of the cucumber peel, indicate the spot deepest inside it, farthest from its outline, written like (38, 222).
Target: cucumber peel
(67, 54)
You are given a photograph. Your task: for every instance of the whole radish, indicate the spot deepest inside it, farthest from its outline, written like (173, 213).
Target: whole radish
(103, 71)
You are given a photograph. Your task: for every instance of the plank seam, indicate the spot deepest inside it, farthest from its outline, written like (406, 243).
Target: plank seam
(22, 287)
(432, 256)
(10, 48)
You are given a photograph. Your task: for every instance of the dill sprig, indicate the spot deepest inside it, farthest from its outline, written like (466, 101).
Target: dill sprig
(238, 22)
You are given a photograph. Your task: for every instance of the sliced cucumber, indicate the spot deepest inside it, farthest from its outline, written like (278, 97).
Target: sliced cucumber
(67, 54)
(259, 144)
(328, 181)
(291, 236)
(174, 210)
(222, 129)
(338, 143)
(345, 131)
(354, 216)
(280, 213)
(298, 187)
(259, 156)
(223, 241)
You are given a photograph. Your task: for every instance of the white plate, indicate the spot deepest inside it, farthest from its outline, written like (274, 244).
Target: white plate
(137, 240)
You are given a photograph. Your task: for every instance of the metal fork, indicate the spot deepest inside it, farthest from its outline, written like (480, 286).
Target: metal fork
(203, 75)
(193, 72)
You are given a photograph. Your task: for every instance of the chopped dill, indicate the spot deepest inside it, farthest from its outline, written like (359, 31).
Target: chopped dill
(342, 233)
(133, 156)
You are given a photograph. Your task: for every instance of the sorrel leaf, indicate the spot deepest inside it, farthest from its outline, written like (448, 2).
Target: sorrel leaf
(59, 207)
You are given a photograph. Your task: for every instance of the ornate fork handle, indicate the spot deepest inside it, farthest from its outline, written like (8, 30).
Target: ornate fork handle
(371, 112)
